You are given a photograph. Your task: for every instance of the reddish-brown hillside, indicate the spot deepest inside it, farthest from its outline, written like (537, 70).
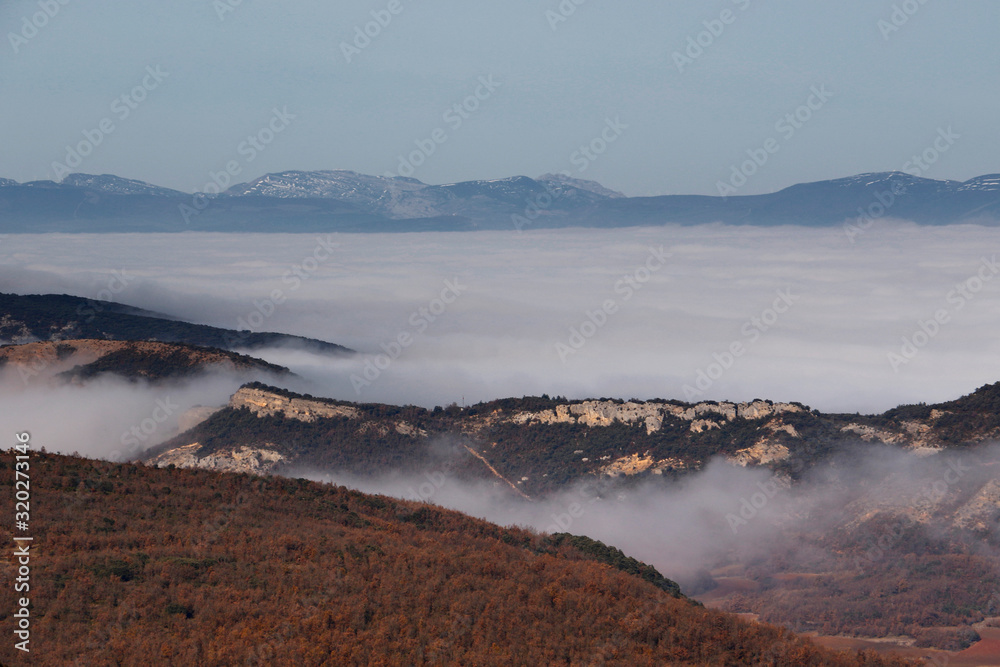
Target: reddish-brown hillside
(138, 566)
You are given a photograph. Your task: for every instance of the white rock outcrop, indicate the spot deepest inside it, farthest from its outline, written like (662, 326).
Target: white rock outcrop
(265, 404)
(760, 454)
(651, 414)
(257, 461)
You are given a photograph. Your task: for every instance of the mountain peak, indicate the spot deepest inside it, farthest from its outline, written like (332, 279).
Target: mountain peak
(392, 197)
(345, 200)
(332, 183)
(581, 184)
(116, 185)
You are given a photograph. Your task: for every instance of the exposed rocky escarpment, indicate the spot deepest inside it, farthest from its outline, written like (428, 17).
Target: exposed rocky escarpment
(267, 403)
(545, 443)
(652, 413)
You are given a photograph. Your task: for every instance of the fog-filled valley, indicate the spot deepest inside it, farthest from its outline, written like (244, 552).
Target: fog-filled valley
(642, 313)
(565, 333)
(695, 315)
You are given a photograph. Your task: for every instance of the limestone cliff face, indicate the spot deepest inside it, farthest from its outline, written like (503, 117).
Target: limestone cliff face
(762, 453)
(597, 413)
(635, 464)
(756, 433)
(594, 414)
(701, 417)
(872, 434)
(652, 414)
(265, 404)
(913, 434)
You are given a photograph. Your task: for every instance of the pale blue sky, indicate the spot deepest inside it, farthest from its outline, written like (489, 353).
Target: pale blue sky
(685, 130)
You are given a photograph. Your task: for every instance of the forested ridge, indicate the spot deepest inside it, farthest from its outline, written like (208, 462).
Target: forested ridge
(60, 316)
(553, 455)
(141, 566)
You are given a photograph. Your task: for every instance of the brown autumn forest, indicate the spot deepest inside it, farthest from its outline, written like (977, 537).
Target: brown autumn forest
(134, 565)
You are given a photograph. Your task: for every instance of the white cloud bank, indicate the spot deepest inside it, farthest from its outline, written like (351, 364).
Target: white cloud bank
(482, 315)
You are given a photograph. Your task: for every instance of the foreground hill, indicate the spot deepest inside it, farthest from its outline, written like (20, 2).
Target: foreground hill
(27, 318)
(80, 360)
(141, 566)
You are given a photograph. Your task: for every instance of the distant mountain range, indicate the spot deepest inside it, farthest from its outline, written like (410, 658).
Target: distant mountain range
(346, 201)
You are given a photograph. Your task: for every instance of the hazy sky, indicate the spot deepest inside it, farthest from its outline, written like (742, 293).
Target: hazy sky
(223, 70)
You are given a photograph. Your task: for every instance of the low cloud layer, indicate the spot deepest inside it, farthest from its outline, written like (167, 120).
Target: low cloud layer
(730, 313)
(675, 312)
(106, 418)
(726, 514)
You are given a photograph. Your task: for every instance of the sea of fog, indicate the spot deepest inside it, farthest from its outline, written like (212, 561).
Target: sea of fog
(899, 314)
(707, 312)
